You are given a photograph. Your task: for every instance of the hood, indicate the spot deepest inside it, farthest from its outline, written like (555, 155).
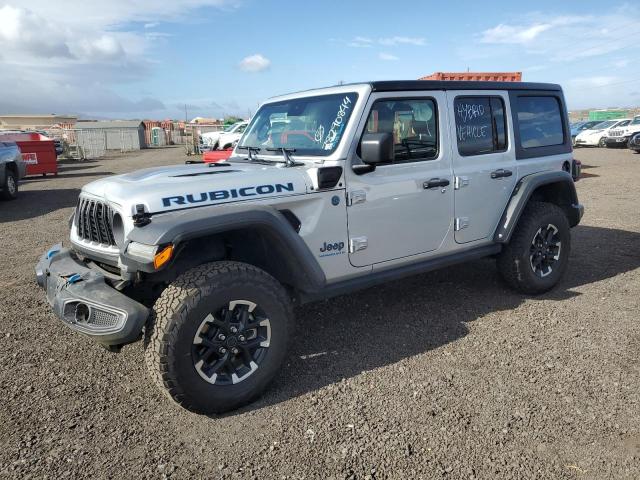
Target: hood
(630, 129)
(211, 134)
(163, 189)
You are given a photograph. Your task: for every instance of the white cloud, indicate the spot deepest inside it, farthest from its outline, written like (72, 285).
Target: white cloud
(622, 63)
(87, 48)
(594, 81)
(393, 41)
(360, 42)
(514, 33)
(27, 33)
(366, 42)
(255, 63)
(562, 38)
(387, 56)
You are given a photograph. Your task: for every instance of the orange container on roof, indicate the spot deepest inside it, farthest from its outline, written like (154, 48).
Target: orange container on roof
(476, 76)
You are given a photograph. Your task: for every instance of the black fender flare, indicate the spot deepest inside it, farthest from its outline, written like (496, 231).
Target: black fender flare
(524, 190)
(183, 225)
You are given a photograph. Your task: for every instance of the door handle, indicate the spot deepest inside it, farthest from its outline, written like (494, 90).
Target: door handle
(435, 183)
(501, 173)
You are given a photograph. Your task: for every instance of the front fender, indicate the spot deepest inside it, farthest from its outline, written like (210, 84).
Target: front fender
(522, 193)
(184, 225)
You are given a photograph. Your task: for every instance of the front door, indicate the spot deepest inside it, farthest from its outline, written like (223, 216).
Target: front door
(405, 207)
(484, 163)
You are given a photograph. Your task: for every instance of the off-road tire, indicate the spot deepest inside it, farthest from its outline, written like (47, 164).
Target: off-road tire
(10, 186)
(177, 315)
(514, 262)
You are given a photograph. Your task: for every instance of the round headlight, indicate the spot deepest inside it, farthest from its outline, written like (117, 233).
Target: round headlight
(118, 229)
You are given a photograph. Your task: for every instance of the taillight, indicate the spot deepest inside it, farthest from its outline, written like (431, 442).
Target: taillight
(576, 169)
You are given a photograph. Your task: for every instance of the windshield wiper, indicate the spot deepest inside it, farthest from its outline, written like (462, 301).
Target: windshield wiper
(250, 151)
(288, 161)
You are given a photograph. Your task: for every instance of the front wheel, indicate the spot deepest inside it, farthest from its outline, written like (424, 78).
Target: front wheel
(218, 335)
(602, 143)
(10, 187)
(536, 258)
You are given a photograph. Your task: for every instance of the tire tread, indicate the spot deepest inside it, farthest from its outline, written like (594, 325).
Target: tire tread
(170, 313)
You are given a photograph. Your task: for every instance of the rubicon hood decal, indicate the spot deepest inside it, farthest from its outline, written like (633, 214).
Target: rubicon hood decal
(226, 194)
(186, 186)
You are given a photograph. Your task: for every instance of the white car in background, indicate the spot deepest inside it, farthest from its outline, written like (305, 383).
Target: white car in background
(597, 135)
(228, 139)
(212, 139)
(619, 137)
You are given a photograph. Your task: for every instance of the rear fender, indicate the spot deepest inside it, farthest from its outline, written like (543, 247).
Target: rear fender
(554, 187)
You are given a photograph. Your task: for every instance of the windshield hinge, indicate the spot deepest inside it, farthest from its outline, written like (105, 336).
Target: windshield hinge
(356, 196)
(460, 182)
(141, 217)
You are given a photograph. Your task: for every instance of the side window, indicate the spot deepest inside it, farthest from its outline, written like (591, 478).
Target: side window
(539, 121)
(413, 124)
(480, 125)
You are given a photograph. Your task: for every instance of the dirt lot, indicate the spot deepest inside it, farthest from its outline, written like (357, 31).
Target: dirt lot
(447, 374)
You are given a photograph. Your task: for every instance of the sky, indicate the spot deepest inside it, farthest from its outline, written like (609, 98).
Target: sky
(149, 58)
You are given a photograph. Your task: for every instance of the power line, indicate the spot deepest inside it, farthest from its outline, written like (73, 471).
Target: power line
(618, 28)
(611, 84)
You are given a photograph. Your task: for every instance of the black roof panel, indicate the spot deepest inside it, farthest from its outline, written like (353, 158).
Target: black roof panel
(414, 85)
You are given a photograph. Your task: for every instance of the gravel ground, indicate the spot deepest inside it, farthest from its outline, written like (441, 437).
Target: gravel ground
(443, 375)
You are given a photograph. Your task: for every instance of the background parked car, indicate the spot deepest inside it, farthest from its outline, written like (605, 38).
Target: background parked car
(619, 137)
(577, 127)
(210, 140)
(596, 136)
(634, 142)
(227, 139)
(12, 169)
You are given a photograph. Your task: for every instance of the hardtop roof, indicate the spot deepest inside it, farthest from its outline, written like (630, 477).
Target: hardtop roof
(416, 85)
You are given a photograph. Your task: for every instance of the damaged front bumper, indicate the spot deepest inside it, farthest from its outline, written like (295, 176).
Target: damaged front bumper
(85, 302)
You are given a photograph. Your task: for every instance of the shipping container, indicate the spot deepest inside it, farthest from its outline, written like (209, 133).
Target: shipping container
(611, 114)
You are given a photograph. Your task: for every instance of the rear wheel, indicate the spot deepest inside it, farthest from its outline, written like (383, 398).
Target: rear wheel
(218, 335)
(10, 186)
(536, 257)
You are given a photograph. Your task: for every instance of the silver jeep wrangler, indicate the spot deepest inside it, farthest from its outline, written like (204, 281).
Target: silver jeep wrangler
(328, 191)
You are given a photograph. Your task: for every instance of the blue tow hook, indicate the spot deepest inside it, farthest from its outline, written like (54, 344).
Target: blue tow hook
(76, 277)
(52, 252)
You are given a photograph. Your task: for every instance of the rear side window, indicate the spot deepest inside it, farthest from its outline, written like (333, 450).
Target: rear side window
(539, 121)
(480, 125)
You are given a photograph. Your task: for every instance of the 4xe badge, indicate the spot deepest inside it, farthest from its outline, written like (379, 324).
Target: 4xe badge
(330, 249)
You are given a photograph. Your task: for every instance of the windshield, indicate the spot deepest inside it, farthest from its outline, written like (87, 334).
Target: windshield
(603, 125)
(229, 128)
(636, 121)
(589, 125)
(310, 125)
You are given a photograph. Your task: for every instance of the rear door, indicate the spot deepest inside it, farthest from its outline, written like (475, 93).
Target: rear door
(484, 163)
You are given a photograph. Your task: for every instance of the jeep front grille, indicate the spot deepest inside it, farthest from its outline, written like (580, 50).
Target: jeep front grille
(615, 133)
(94, 221)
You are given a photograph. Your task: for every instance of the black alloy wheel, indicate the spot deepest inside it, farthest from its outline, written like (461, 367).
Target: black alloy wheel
(545, 250)
(231, 343)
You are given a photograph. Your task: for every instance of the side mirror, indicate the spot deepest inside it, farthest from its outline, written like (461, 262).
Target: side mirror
(376, 148)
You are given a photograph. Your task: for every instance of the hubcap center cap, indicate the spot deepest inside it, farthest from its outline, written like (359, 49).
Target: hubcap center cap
(232, 341)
